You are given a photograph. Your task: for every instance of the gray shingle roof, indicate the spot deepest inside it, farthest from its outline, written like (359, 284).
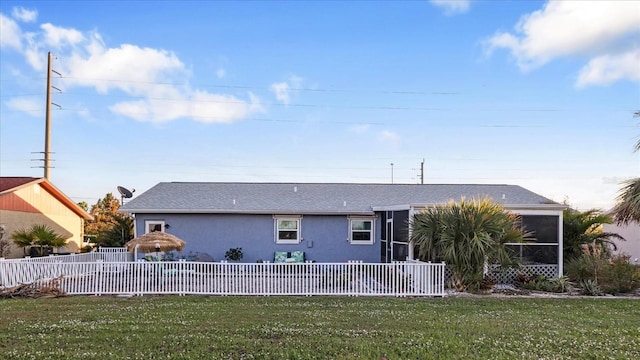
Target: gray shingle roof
(309, 198)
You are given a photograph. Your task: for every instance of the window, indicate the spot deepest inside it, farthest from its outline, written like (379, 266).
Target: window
(543, 246)
(287, 230)
(154, 225)
(361, 230)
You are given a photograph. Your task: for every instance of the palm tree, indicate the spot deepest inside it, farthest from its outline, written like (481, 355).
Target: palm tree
(584, 229)
(38, 235)
(44, 236)
(627, 208)
(467, 236)
(22, 238)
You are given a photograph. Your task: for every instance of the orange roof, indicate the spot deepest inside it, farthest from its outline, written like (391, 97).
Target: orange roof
(11, 184)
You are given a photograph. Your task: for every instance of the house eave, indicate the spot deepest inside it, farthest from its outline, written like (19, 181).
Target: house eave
(553, 207)
(247, 212)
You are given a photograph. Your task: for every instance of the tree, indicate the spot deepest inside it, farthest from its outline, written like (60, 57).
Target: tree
(38, 235)
(83, 205)
(627, 208)
(119, 233)
(584, 229)
(467, 236)
(23, 239)
(5, 245)
(109, 227)
(102, 213)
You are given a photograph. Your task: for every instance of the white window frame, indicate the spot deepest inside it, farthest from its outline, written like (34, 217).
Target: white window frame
(149, 223)
(276, 229)
(372, 232)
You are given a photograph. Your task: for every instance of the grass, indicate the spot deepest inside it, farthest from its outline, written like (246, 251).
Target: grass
(192, 327)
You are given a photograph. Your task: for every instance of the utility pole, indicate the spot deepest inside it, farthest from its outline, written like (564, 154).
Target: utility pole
(422, 172)
(392, 173)
(47, 135)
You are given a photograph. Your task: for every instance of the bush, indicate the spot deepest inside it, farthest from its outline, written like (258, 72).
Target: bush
(542, 283)
(233, 254)
(613, 275)
(620, 276)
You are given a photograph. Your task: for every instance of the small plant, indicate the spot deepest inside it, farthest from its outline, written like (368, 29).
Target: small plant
(591, 288)
(542, 283)
(561, 284)
(234, 254)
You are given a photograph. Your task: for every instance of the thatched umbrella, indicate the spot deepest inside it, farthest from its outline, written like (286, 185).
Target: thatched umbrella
(155, 241)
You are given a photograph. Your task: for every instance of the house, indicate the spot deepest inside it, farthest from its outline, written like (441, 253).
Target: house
(631, 234)
(27, 201)
(328, 222)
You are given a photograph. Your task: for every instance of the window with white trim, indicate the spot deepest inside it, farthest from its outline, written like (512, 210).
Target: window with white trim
(361, 230)
(287, 229)
(153, 225)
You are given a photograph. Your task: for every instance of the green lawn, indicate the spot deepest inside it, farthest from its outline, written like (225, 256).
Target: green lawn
(318, 328)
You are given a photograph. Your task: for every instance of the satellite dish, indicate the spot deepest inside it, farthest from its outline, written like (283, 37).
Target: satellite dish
(125, 193)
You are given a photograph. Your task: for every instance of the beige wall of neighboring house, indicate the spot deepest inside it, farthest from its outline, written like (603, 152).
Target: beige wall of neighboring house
(38, 202)
(631, 233)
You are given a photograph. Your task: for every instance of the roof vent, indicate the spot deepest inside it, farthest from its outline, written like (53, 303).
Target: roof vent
(295, 189)
(344, 203)
(504, 196)
(234, 201)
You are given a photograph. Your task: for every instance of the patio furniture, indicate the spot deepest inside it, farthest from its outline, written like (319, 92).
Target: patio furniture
(292, 257)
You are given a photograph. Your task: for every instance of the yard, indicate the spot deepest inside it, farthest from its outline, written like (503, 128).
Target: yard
(201, 327)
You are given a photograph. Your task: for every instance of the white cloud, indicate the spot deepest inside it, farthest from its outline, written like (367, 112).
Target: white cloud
(452, 6)
(283, 90)
(156, 78)
(606, 69)
(24, 15)
(359, 129)
(201, 106)
(571, 28)
(11, 35)
(390, 138)
(29, 106)
(58, 37)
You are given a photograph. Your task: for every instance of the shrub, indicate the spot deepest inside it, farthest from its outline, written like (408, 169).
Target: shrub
(613, 276)
(233, 254)
(542, 283)
(620, 276)
(590, 287)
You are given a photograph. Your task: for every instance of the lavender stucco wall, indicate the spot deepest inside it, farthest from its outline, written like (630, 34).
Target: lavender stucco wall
(324, 238)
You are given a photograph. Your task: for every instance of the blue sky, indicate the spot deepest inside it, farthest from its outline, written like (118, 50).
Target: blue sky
(533, 93)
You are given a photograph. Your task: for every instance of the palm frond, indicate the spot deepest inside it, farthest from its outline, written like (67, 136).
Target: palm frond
(627, 208)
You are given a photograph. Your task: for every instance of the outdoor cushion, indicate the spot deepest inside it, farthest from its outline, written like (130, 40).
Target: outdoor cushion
(298, 256)
(280, 257)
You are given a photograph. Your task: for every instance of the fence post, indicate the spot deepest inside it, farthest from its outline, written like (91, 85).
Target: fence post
(99, 277)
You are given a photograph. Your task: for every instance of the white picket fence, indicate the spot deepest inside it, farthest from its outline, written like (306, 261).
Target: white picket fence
(207, 278)
(104, 254)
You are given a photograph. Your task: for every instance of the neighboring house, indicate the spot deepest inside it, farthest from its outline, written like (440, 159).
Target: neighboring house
(631, 245)
(27, 201)
(329, 222)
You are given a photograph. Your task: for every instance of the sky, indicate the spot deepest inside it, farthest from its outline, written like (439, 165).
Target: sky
(531, 93)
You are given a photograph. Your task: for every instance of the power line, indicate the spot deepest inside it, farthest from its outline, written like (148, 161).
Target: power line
(254, 87)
